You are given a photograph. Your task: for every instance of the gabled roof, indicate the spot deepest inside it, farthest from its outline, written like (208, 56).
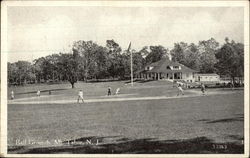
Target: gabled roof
(161, 66)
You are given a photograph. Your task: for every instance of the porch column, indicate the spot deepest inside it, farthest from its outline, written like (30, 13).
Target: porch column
(158, 75)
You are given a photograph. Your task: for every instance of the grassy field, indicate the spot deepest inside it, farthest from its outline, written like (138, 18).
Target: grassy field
(95, 89)
(201, 124)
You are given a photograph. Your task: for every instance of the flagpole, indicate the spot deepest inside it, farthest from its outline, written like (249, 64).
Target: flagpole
(131, 64)
(131, 69)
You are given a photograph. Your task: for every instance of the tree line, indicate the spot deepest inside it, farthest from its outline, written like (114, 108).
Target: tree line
(90, 61)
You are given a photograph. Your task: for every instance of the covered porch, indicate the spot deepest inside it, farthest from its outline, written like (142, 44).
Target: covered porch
(159, 75)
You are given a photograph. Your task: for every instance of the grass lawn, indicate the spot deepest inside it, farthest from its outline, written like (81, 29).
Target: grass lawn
(203, 124)
(95, 89)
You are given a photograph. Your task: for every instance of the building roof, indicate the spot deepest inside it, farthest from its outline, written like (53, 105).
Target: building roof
(161, 67)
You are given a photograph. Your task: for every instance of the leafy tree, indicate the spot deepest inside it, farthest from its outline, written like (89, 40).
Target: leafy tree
(156, 54)
(23, 72)
(12, 73)
(86, 52)
(138, 60)
(178, 52)
(144, 51)
(115, 59)
(207, 51)
(113, 48)
(39, 68)
(231, 59)
(100, 63)
(192, 57)
(70, 68)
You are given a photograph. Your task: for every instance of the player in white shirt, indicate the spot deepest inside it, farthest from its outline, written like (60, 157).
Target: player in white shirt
(80, 96)
(38, 93)
(117, 91)
(12, 95)
(180, 90)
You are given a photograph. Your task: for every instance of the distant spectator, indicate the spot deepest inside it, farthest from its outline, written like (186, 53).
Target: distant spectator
(117, 91)
(12, 95)
(203, 88)
(38, 93)
(109, 91)
(80, 96)
(180, 90)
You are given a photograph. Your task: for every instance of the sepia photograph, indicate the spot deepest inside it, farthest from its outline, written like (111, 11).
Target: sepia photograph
(155, 78)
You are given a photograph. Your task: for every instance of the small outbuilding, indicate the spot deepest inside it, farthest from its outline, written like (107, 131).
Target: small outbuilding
(212, 77)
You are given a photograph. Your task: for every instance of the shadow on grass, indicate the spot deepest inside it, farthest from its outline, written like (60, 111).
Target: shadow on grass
(199, 145)
(140, 81)
(59, 89)
(239, 117)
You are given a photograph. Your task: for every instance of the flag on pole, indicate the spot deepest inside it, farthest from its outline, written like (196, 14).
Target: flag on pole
(129, 46)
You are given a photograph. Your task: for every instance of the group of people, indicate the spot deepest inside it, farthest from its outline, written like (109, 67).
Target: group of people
(12, 94)
(80, 94)
(180, 90)
(116, 92)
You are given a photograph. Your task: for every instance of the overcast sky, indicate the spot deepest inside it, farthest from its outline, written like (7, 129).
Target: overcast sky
(39, 31)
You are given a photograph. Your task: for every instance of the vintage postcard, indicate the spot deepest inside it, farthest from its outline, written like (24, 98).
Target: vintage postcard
(124, 79)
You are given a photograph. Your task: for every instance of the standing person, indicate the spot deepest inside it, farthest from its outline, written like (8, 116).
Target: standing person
(117, 91)
(80, 96)
(12, 95)
(180, 90)
(109, 91)
(38, 93)
(203, 88)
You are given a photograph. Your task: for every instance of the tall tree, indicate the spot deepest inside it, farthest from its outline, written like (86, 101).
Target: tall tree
(39, 66)
(115, 59)
(86, 52)
(207, 51)
(144, 51)
(156, 54)
(70, 68)
(231, 59)
(177, 52)
(23, 72)
(192, 57)
(99, 68)
(12, 73)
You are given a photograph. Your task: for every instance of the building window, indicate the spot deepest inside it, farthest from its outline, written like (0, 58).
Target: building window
(149, 68)
(176, 67)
